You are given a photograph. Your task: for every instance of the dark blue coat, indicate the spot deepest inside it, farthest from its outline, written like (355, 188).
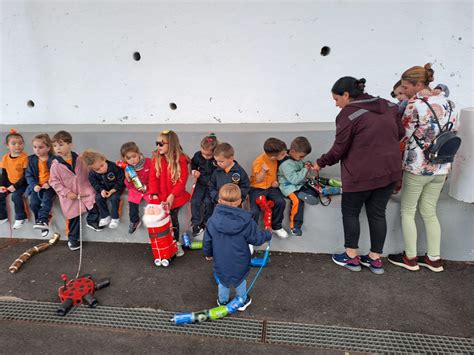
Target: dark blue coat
(228, 234)
(32, 171)
(236, 175)
(112, 179)
(205, 166)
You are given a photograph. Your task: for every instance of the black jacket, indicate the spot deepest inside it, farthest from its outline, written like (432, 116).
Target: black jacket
(204, 166)
(236, 175)
(112, 179)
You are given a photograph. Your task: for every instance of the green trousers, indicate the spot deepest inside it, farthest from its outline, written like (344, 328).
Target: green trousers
(422, 191)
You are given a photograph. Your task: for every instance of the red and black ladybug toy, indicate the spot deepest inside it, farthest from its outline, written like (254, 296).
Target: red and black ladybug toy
(78, 291)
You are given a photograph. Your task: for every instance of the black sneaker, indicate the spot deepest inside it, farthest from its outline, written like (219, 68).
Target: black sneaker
(403, 261)
(133, 227)
(247, 303)
(95, 226)
(197, 230)
(74, 245)
(44, 233)
(222, 303)
(40, 225)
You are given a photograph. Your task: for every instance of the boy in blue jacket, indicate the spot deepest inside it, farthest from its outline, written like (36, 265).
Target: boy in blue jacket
(228, 234)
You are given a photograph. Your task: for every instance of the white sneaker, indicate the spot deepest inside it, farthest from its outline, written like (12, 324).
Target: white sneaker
(104, 221)
(44, 233)
(3, 220)
(282, 233)
(180, 252)
(19, 223)
(114, 223)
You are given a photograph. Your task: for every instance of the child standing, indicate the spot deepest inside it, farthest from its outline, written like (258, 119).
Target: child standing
(264, 182)
(228, 171)
(142, 166)
(168, 177)
(203, 165)
(69, 177)
(107, 180)
(228, 233)
(292, 175)
(13, 179)
(37, 176)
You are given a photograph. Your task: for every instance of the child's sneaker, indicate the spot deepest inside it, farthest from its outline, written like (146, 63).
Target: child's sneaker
(114, 223)
(296, 232)
(133, 227)
(94, 226)
(308, 198)
(19, 223)
(44, 233)
(5, 220)
(41, 225)
(376, 266)
(219, 303)
(343, 259)
(180, 251)
(197, 230)
(104, 221)
(433, 265)
(281, 233)
(74, 245)
(247, 303)
(402, 260)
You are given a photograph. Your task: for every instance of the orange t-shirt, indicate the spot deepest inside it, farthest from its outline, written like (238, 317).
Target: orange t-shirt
(270, 176)
(43, 172)
(15, 167)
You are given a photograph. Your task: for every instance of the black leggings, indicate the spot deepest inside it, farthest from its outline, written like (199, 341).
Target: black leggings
(375, 204)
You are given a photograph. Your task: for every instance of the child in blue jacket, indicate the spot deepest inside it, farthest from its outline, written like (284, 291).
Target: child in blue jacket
(228, 234)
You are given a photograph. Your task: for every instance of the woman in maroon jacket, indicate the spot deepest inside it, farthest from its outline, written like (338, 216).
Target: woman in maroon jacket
(368, 130)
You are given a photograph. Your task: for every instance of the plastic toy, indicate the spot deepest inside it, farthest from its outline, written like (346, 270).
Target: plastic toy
(78, 291)
(132, 175)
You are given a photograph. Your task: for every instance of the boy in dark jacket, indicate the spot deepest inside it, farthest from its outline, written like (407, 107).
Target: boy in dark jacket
(228, 171)
(107, 180)
(228, 234)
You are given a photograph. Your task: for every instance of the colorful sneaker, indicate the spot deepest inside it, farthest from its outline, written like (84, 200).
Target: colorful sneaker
(247, 303)
(133, 227)
(433, 265)
(5, 220)
(308, 198)
(281, 233)
(104, 221)
(40, 225)
(343, 259)
(74, 245)
(296, 232)
(219, 303)
(94, 226)
(19, 223)
(376, 266)
(180, 251)
(114, 223)
(402, 260)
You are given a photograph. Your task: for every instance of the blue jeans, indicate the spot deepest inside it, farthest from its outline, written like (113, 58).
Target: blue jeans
(224, 292)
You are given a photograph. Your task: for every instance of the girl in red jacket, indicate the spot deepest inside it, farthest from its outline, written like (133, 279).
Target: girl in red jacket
(168, 176)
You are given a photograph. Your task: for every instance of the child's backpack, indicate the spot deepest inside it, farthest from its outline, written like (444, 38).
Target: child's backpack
(445, 144)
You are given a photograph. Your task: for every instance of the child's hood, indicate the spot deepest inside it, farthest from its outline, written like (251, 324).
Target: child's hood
(231, 220)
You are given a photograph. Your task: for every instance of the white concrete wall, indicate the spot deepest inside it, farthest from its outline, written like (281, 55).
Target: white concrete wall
(230, 62)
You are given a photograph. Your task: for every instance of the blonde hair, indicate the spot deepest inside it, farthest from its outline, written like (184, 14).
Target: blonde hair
(224, 149)
(44, 137)
(230, 193)
(172, 156)
(90, 156)
(419, 74)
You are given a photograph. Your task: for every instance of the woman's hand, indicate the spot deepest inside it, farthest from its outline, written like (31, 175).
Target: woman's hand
(316, 167)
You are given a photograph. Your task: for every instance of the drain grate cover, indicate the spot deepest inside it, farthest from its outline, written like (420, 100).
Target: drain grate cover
(329, 337)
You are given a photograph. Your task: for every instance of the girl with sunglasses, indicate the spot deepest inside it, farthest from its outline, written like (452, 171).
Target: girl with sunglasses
(168, 176)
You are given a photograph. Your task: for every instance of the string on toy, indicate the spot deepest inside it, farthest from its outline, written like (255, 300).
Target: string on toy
(80, 235)
(11, 241)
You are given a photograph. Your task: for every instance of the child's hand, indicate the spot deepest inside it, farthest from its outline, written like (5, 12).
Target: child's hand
(11, 188)
(209, 258)
(3, 189)
(104, 194)
(265, 168)
(170, 200)
(308, 165)
(46, 186)
(275, 184)
(196, 174)
(71, 195)
(37, 188)
(142, 189)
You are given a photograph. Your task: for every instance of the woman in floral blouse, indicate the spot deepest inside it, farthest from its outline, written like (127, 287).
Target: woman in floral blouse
(422, 180)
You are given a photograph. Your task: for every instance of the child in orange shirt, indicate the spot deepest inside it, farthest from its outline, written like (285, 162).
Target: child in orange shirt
(13, 179)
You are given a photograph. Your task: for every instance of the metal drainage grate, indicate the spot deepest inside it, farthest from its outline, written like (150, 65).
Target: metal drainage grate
(329, 337)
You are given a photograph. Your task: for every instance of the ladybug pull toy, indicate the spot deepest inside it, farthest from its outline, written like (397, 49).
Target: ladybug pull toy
(78, 291)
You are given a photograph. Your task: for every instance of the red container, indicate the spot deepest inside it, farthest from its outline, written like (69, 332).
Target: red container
(163, 246)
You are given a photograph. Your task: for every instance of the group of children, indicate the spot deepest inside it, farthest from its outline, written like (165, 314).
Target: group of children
(90, 184)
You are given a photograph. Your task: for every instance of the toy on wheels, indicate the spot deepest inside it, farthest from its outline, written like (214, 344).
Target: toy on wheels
(160, 231)
(78, 291)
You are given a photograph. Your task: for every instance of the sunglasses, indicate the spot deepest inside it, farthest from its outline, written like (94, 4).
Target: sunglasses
(160, 144)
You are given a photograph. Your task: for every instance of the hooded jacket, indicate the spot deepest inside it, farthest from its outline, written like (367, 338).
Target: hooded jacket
(368, 131)
(228, 233)
(32, 171)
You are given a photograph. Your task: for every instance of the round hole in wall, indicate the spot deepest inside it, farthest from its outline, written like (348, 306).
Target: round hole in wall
(30, 103)
(325, 51)
(173, 106)
(137, 56)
